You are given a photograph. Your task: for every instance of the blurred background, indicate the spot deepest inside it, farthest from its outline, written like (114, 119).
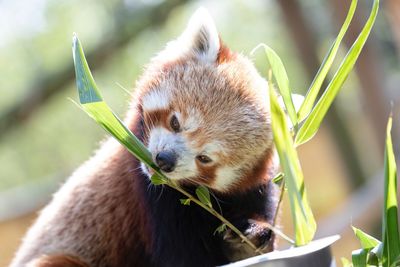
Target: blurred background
(44, 136)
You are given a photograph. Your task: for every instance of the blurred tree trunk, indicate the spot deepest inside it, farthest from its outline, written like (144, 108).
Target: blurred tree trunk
(303, 39)
(129, 24)
(392, 8)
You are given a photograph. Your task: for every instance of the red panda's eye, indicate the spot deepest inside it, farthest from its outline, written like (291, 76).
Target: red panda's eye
(203, 159)
(175, 124)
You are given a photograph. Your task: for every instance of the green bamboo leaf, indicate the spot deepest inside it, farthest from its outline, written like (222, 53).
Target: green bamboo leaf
(282, 80)
(156, 179)
(220, 229)
(93, 104)
(396, 262)
(87, 88)
(313, 121)
(185, 201)
(303, 219)
(319, 78)
(366, 240)
(278, 178)
(203, 195)
(346, 262)
(375, 255)
(359, 257)
(390, 224)
(377, 251)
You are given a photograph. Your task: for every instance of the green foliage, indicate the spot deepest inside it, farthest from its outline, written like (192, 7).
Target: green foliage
(314, 119)
(185, 201)
(278, 178)
(345, 262)
(157, 179)
(282, 80)
(390, 224)
(387, 252)
(359, 257)
(220, 229)
(93, 104)
(303, 218)
(366, 240)
(319, 78)
(203, 195)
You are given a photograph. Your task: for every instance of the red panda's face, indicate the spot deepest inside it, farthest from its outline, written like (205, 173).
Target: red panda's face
(206, 112)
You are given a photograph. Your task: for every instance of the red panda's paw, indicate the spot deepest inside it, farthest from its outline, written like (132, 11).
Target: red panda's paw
(257, 232)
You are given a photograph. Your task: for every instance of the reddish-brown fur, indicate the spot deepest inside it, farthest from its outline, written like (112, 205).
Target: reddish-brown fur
(225, 54)
(108, 214)
(58, 261)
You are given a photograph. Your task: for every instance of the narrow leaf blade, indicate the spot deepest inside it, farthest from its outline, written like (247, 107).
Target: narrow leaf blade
(390, 231)
(319, 78)
(203, 195)
(282, 80)
(303, 219)
(157, 179)
(85, 83)
(93, 104)
(367, 241)
(220, 229)
(313, 121)
(185, 201)
(359, 257)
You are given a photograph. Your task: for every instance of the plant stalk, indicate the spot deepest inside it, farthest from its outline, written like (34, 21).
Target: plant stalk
(225, 221)
(282, 188)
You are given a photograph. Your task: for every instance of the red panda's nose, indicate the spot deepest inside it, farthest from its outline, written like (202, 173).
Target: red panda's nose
(166, 160)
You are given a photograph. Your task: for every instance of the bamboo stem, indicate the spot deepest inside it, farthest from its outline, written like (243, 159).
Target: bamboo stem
(225, 221)
(282, 188)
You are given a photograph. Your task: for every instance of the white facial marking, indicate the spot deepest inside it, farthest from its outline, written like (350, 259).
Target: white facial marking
(192, 121)
(161, 139)
(213, 147)
(144, 169)
(226, 176)
(158, 99)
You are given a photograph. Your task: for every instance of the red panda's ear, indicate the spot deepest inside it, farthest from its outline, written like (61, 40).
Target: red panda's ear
(200, 40)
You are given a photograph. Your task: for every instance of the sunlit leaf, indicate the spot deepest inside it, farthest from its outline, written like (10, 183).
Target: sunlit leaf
(390, 225)
(346, 262)
(313, 121)
(319, 78)
(366, 240)
(93, 104)
(282, 80)
(359, 257)
(203, 195)
(157, 179)
(303, 218)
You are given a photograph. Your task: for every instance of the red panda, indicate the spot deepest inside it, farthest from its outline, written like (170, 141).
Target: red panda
(203, 113)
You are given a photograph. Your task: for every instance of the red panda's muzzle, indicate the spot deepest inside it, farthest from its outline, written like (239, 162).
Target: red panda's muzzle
(166, 160)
